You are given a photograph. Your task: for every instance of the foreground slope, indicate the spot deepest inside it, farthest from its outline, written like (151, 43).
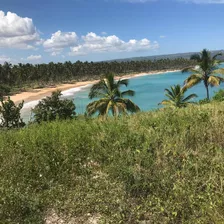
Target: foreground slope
(156, 167)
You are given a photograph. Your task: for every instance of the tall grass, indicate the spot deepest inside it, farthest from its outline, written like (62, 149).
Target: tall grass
(156, 167)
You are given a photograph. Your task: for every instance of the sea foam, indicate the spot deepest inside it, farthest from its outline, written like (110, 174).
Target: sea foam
(70, 92)
(66, 93)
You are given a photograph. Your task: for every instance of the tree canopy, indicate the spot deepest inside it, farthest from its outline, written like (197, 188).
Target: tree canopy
(206, 71)
(53, 107)
(110, 97)
(10, 114)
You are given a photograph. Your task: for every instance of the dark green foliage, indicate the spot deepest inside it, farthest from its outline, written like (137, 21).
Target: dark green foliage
(22, 76)
(206, 71)
(176, 97)
(4, 90)
(110, 97)
(204, 101)
(10, 114)
(156, 167)
(52, 108)
(219, 96)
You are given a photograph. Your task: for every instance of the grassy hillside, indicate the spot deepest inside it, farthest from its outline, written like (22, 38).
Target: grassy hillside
(155, 167)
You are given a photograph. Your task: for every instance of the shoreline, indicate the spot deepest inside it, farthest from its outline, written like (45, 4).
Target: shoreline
(38, 94)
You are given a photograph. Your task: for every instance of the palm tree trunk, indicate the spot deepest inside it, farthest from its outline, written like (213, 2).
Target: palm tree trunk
(207, 90)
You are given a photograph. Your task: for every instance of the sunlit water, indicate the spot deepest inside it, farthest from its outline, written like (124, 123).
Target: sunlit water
(149, 92)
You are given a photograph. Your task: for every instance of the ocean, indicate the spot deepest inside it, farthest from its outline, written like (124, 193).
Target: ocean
(149, 92)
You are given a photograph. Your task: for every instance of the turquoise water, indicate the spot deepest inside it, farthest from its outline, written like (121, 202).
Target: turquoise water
(149, 92)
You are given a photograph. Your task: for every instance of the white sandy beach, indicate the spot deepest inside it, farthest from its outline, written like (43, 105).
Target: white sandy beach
(32, 97)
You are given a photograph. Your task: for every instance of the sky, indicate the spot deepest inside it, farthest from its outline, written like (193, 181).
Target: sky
(42, 31)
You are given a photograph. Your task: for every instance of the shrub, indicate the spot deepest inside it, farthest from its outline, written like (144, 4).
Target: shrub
(10, 114)
(219, 96)
(204, 101)
(52, 108)
(155, 167)
(4, 90)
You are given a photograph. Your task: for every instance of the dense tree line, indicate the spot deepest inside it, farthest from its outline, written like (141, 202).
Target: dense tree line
(23, 75)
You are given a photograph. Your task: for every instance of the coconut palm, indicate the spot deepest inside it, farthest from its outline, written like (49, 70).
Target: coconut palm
(206, 71)
(176, 97)
(110, 97)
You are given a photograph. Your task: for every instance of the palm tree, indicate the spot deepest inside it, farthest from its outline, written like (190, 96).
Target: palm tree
(110, 97)
(205, 71)
(176, 97)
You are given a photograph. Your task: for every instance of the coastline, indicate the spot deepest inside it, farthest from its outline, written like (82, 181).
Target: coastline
(38, 94)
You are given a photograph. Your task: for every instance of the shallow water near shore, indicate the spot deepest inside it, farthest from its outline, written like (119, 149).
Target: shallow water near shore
(149, 92)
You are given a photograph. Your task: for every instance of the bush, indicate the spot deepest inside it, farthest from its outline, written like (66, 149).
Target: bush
(4, 90)
(52, 108)
(10, 114)
(204, 101)
(155, 167)
(219, 96)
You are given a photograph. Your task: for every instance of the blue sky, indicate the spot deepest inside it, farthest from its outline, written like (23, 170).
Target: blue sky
(95, 30)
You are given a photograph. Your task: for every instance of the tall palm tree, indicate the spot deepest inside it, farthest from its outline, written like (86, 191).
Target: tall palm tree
(206, 71)
(110, 97)
(176, 97)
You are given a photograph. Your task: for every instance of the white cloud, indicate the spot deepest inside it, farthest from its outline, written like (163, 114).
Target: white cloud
(59, 41)
(55, 53)
(93, 43)
(17, 32)
(104, 33)
(34, 57)
(4, 58)
(162, 36)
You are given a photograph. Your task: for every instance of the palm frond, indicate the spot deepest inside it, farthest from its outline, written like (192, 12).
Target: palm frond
(215, 56)
(167, 103)
(128, 93)
(215, 64)
(188, 69)
(215, 80)
(219, 71)
(109, 105)
(205, 54)
(112, 97)
(130, 105)
(122, 82)
(196, 57)
(176, 97)
(98, 89)
(122, 108)
(97, 106)
(192, 80)
(191, 96)
(110, 82)
(169, 93)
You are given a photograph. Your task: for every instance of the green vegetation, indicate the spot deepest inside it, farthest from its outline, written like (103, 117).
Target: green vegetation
(160, 167)
(206, 71)
(111, 98)
(219, 96)
(10, 114)
(4, 91)
(24, 76)
(52, 108)
(176, 97)
(164, 166)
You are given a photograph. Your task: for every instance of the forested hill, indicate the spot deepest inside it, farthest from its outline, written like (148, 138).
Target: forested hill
(17, 77)
(168, 56)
